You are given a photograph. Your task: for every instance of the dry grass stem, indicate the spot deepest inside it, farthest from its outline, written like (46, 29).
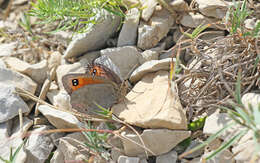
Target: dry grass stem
(211, 79)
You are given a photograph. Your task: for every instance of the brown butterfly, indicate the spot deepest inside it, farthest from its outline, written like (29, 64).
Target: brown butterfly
(95, 74)
(99, 85)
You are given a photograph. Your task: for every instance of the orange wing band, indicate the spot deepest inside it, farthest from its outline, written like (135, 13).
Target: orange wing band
(85, 81)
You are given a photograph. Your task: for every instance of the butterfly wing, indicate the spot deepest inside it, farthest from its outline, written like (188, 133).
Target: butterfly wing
(98, 94)
(98, 70)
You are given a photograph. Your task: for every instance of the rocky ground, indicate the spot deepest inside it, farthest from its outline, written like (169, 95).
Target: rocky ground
(152, 110)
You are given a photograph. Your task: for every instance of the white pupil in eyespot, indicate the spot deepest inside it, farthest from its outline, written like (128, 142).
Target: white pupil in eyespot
(94, 72)
(75, 82)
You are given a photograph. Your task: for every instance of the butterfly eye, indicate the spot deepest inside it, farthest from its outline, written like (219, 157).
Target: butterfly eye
(75, 82)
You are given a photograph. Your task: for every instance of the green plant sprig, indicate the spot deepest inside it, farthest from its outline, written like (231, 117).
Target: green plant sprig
(235, 19)
(13, 156)
(76, 15)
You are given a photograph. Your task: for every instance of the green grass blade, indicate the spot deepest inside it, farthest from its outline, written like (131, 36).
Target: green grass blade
(256, 114)
(256, 138)
(187, 34)
(104, 112)
(230, 111)
(11, 154)
(17, 151)
(211, 138)
(246, 117)
(227, 144)
(238, 89)
(5, 161)
(196, 31)
(228, 15)
(199, 29)
(89, 135)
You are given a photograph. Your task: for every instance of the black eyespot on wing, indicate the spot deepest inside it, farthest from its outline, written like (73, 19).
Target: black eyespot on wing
(75, 82)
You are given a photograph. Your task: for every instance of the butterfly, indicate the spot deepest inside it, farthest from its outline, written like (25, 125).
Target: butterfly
(95, 74)
(99, 85)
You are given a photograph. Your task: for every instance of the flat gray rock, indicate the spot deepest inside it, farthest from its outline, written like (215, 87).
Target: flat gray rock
(125, 58)
(10, 103)
(151, 54)
(37, 72)
(58, 118)
(150, 66)
(13, 140)
(71, 147)
(2, 64)
(179, 5)
(193, 20)
(89, 57)
(57, 157)
(148, 55)
(193, 144)
(251, 23)
(159, 141)
(150, 33)
(8, 76)
(128, 34)
(217, 121)
(171, 157)
(5, 129)
(252, 99)
(96, 36)
(216, 8)
(148, 9)
(150, 104)
(126, 159)
(39, 146)
(7, 49)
